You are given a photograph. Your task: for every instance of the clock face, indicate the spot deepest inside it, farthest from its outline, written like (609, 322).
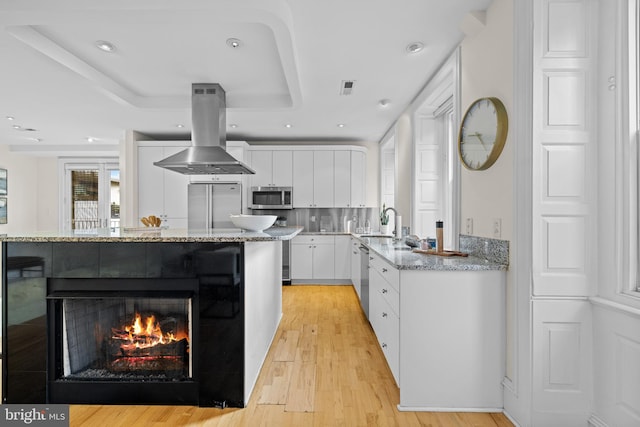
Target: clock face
(482, 133)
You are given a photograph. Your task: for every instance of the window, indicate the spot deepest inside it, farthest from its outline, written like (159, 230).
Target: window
(91, 195)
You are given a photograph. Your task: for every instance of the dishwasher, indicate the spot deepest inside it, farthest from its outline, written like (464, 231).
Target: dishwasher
(364, 279)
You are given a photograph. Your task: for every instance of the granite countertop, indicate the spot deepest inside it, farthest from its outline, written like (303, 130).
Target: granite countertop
(400, 256)
(158, 235)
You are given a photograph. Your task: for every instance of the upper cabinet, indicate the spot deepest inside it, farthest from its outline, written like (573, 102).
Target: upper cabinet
(349, 185)
(274, 168)
(313, 178)
(358, 179)
(161, 192)
(326, 178)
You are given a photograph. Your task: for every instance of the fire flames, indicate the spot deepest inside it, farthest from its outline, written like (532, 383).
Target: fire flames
(145, 334)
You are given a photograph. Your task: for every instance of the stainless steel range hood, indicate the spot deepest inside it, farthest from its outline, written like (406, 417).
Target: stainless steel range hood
(208, 154)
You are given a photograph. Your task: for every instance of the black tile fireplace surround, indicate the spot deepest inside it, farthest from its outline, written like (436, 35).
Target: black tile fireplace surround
(68, 327)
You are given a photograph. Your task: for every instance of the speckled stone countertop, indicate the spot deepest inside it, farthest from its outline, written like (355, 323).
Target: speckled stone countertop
(400, 256)
(159, 235)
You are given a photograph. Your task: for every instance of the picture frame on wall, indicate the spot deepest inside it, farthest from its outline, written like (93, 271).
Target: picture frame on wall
(3, 182)
(3, 210)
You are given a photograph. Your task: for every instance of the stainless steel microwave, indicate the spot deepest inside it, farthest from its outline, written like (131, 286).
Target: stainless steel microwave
(271, 198)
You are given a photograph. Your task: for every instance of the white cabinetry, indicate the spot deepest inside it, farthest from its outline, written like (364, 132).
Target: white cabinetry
(384, 310)
(313, 179)
(273, 168)
(312, 257)
(161, 192)
(342, 256)
(358, 179)
(342, 176)
(446, 330)
(303, 179)
(355, 264)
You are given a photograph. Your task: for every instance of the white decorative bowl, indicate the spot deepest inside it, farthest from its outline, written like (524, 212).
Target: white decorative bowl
(253, 222)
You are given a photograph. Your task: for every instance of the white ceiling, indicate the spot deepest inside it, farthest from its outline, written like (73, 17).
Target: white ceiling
(293, 57)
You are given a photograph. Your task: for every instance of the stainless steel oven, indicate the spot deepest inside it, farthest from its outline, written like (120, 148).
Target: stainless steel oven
(271, 198)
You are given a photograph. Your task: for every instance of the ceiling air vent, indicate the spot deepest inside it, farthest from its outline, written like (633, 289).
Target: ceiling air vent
(347, 87)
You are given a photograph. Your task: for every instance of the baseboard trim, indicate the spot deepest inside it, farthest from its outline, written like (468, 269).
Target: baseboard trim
(439, 409)
(320, 282)
(513, 421)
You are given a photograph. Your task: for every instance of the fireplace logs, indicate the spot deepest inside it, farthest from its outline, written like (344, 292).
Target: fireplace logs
(147, 347)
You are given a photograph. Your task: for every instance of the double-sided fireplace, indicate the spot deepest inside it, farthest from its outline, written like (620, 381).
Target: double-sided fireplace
(122, 340)
(123, 323)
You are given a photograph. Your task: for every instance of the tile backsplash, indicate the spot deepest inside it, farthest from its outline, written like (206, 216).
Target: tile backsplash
(327, 219)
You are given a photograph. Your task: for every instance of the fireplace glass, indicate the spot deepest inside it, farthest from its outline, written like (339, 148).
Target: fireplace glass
(125, 339)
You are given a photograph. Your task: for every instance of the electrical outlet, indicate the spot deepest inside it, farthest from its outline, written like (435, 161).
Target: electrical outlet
(469, 226)
(497, 228)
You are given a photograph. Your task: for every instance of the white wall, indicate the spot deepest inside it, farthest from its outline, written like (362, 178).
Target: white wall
(32, 192)
(487, 71)
(404, 168)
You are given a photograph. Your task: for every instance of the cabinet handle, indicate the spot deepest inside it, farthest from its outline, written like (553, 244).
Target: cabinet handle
(384, 270)
(384, 291)
(384, 314)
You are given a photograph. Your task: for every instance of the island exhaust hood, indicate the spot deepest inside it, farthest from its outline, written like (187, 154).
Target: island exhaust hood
(208, 154)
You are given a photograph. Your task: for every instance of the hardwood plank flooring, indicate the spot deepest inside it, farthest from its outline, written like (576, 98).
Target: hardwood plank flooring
(324, 368)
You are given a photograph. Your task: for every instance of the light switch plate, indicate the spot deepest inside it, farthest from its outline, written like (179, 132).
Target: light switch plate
(497, 228)
(469, 226)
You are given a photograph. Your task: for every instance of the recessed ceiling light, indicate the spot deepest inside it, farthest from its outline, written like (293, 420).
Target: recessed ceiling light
(415, 47)
(288, 125)
(10, 118)
(179, 125)
(384, 102)
(233, 125)
(234, 43)
(17, 127)
(340, 125)
(105, 46)
(35, 139)
(91, 139)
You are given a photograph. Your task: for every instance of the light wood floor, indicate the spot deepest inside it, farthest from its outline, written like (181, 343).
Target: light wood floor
(324, 368)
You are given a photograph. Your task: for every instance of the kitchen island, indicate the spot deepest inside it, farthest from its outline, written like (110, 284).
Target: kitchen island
(139, 316)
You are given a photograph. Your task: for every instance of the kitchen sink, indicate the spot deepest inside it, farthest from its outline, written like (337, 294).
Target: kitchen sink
(404, 248)
(383, 236)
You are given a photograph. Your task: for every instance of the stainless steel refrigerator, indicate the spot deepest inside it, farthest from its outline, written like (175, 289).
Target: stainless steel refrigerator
(210, 205)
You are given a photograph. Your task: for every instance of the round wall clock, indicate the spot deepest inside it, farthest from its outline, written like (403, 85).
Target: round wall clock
(483, 132)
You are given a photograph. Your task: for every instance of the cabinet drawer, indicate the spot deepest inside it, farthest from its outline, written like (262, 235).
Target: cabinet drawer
(307, 239)
(386, 326)
(391, 297)
(378, 285)
(390, 274)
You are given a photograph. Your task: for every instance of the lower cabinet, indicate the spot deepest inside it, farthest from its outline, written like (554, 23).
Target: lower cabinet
(385, 320)
(446, 329)
(384, 313)
(312, 257)
(342, 258)
(355, 264)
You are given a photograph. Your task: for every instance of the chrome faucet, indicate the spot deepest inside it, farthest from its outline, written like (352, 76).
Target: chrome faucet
(395, 230)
